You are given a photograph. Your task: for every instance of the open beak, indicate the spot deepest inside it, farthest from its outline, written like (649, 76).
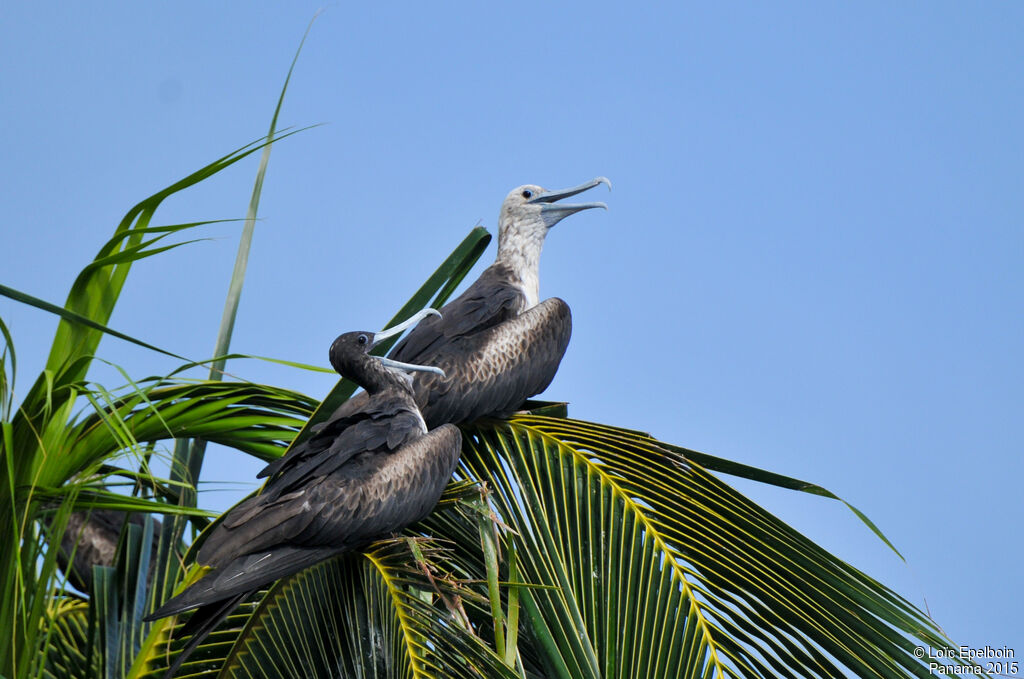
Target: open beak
(553, 212)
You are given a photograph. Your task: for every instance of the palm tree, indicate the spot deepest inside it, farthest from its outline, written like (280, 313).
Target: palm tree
(562, 548)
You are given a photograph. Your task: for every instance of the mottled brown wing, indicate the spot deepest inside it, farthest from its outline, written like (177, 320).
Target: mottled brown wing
(380, 494)
(493, 372)
(372, 496)
(321, 439)
(490, 300)
(383, 423)
(91, 536)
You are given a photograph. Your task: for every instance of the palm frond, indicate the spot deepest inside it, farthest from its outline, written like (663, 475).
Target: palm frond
(33, 447)
(7, 355)
(66, 641)
(661, 569)
(746, 471)
(378, 613)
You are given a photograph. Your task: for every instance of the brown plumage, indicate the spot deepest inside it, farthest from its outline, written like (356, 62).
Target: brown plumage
(91, 538)
(493, 370)
(496, 342)
(359, 477)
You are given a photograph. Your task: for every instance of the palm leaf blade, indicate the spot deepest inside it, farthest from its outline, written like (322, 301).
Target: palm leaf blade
(614, 600)
(360, 615)
(66, 640)
(662, 566)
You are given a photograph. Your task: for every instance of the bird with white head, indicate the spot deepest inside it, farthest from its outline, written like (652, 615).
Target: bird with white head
(497, 342)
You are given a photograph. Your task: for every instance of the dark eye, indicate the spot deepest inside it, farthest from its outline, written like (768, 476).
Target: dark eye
(527, 194)
(362, 339)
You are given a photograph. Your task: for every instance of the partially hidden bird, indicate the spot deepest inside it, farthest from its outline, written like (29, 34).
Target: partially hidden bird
(356, 479)
(497, 343)
(90, 539)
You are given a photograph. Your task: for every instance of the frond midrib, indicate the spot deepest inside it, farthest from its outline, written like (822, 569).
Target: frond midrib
(652, 529)
(408, 631)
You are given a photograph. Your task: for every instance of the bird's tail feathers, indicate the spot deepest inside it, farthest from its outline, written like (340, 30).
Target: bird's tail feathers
(243, 575)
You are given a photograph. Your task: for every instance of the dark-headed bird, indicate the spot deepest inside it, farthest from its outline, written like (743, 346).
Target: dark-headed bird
(358, 478)
(496, 342)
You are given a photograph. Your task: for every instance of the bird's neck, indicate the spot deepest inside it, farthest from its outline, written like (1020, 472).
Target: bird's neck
(522, 256)
(375, 378)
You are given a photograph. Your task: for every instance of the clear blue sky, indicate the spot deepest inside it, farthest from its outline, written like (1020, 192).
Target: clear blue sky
(812, 260)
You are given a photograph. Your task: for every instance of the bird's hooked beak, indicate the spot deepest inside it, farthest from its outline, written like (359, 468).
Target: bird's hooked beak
(409, 367)
(395, 330)
(552, 213)
(401, 327)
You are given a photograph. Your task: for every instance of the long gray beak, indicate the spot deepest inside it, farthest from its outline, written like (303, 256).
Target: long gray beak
(409, 367)
(552, 213)
(401, 327)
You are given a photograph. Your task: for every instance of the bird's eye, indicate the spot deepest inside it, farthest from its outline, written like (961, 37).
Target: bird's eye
(362, 339)
(527, 194)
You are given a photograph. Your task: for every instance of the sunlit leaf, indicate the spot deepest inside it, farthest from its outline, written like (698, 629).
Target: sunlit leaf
(364, 615)
(660, 566)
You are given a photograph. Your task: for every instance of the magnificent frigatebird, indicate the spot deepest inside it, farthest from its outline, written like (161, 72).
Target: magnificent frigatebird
(496, 344)
(90, 539)
(357, 478)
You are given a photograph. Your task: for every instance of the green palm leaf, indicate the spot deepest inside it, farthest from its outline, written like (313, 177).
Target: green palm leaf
(103, 638)
(166, 644)
(32, 446)
(66, 641)
(379, 613)
(373, 614)
(662, 570)
(256, 419)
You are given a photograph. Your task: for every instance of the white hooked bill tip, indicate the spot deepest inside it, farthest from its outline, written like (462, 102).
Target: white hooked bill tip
(552, 196)
(412, 320)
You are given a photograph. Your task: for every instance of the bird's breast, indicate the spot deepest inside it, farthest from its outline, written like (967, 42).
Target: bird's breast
(530, 286)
